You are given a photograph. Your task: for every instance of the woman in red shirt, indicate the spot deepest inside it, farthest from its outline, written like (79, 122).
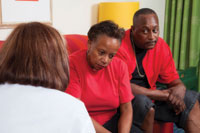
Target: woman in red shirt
(101, 80)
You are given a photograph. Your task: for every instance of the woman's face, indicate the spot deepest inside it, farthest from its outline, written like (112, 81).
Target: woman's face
(101, 51)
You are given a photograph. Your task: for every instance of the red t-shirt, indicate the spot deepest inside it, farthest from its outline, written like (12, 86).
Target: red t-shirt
(158, 62)
(102, 91)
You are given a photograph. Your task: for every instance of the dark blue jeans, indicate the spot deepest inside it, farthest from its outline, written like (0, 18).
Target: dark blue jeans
(112, 125)
(163, 111)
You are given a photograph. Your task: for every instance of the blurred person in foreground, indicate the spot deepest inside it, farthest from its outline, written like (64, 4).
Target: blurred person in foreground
(33, 73)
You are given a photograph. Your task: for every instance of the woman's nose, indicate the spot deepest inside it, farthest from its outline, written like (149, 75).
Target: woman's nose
(105, 60)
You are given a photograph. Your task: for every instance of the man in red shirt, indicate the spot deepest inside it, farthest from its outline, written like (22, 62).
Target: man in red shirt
(149, 60)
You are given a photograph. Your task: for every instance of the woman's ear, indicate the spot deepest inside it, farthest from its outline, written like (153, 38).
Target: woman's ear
(89, 43)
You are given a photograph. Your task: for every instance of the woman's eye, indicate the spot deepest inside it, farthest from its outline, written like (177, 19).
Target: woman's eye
(101, 52)
(111, 56)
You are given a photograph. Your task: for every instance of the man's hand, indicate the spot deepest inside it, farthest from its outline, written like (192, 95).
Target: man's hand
(176, 97)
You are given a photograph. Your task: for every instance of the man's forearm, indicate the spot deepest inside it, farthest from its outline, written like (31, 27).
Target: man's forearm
(160, 95)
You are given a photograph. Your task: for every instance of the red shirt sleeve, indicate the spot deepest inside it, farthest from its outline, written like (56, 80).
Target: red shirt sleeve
(168, 71)
(74, 87)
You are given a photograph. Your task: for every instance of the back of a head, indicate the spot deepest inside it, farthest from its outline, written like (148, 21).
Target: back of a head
(107, 28)
(142, 11)
(35, 54)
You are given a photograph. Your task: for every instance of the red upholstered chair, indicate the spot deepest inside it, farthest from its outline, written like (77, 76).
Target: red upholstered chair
(1, 43)
(160, 127)
(76, 42)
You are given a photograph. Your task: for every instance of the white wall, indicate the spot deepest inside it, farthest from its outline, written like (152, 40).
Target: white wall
(76, 16)
(159, 7)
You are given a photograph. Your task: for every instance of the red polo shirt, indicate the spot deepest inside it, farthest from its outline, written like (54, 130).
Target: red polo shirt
(158, 62)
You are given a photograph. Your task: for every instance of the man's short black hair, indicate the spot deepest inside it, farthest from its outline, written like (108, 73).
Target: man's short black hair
(143, 11)
(107, 28)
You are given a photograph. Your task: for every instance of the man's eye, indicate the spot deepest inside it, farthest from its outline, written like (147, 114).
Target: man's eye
(145, 31)
(155, 31)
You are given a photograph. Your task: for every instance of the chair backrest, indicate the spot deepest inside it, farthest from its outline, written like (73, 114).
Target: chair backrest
(1, 43)
(76, 42)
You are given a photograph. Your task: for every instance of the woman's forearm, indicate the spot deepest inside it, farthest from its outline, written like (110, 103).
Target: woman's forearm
(99, 128)
(126, 116)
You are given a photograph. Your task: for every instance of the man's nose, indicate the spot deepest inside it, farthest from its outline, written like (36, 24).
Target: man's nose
(151, 36)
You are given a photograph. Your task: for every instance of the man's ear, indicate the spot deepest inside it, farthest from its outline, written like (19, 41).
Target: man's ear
(132, 27)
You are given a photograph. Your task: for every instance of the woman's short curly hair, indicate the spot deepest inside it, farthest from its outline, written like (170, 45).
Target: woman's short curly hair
(108, 28)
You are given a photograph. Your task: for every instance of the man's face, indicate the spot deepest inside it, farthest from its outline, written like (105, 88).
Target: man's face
(101, 51)
(146, 31)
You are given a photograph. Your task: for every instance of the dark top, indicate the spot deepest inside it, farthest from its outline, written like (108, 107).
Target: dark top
(136, 79)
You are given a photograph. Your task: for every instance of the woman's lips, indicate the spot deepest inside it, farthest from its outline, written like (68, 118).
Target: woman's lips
(100, 66)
